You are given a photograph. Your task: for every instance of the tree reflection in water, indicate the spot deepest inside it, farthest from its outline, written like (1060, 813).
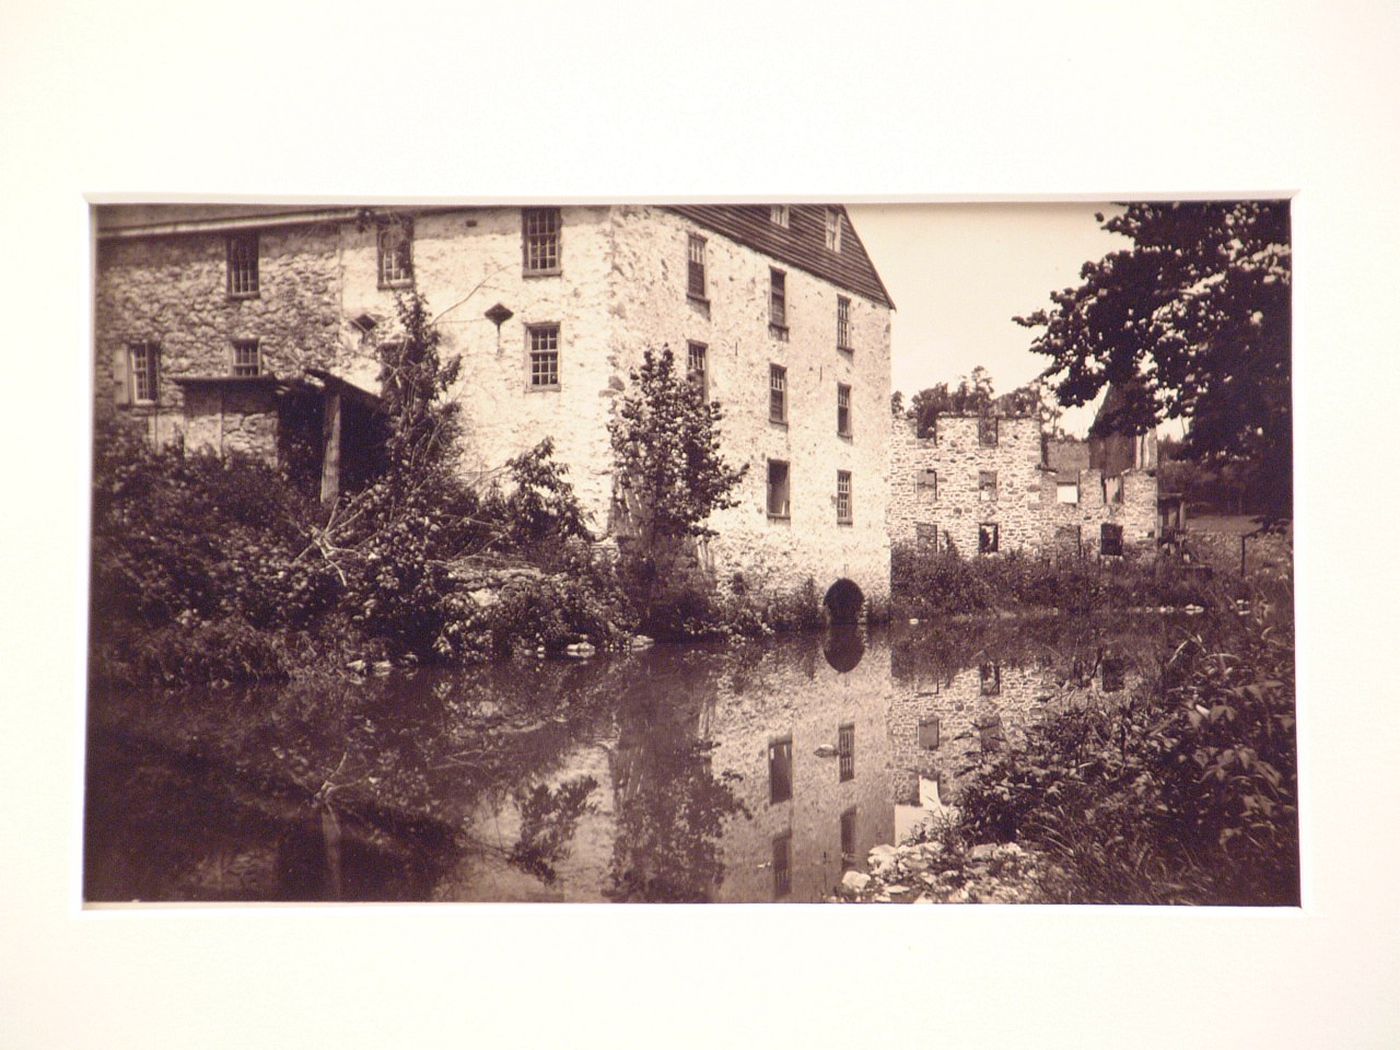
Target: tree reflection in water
(670, 820)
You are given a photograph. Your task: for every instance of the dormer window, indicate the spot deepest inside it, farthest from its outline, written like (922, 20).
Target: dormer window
(833, 229)
(540, 241)
(396, 254)
(243, 266)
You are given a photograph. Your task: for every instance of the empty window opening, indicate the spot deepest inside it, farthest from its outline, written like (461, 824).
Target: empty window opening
(695, 268)
(1110, 539)
(987, 486)
(780, 769)
(987, 431)
(990, 675)
(1067, 492)
(544, 355)
(925, 536)
(778, 495)
(989, 733)
(928, 481)
(243, 265)
(540, 240)
(988, 538)
(848, 839)
(929, 733)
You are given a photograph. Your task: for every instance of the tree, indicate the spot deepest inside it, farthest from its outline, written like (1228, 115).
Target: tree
(666, 443)
(976, 395)
(1193, 321)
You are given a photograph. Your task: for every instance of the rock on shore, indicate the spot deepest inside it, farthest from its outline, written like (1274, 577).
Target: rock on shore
(930, 873)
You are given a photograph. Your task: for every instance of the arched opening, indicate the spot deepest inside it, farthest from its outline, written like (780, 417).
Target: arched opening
(843, 648)
(843, 602)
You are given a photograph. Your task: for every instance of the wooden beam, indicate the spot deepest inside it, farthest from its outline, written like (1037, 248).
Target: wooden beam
(330, 459)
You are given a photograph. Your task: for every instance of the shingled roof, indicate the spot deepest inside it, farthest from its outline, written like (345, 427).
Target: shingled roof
(801, 243)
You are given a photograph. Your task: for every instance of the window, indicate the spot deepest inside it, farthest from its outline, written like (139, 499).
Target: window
(777, 394)
(779, 214)
(777, 299)
(544, 355)
(777, 489)
(540, 240)
(782, 865)
(990, 674)
(846, 751)
(247, 357)
(243, 265)
(987, 537)
(144, 360)
(833, 229)
(695, 363)
(989, 733)
(843, 410)
(843, 497)
(925, 536)
(1112, 674)
(1113, 489)
(395, 254)
(987, 431)
(843, 323)
(780, 769)
(695, 268)
(848, 839)
(987, 486)
(928, 733)
(1066, 492)
(1110, 539)
(928, 479)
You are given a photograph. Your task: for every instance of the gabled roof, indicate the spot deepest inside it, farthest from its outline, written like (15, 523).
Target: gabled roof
(801, 243)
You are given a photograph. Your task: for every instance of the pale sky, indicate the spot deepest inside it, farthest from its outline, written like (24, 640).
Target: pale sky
(958, 273)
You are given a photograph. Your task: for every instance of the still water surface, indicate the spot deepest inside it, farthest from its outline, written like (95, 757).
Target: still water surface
(749, 772)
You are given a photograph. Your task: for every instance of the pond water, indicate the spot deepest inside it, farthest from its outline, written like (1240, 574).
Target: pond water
(754, 771)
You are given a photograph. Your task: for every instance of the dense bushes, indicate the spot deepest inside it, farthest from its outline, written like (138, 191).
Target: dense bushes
(206, 568)
(927, 582)
(1187, 794)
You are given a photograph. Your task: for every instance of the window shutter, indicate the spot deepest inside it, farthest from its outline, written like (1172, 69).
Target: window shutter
(121, 378)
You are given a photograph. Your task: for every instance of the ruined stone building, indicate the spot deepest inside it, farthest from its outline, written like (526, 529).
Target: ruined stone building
(992, 484)
(252, 329)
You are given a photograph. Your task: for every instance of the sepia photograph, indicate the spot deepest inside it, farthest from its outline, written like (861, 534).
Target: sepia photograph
(552, 525)
(692, 552)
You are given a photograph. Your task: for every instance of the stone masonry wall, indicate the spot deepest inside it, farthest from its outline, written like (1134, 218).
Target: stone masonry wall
(1136, 512)
(956, 508)
(621, 288)
(650, 309)
(173, 291)
(465, 261)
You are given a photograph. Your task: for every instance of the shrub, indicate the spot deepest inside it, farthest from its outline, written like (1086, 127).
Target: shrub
(1188, 793)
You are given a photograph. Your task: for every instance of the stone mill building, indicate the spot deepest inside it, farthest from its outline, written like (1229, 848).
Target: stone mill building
(251, 329)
